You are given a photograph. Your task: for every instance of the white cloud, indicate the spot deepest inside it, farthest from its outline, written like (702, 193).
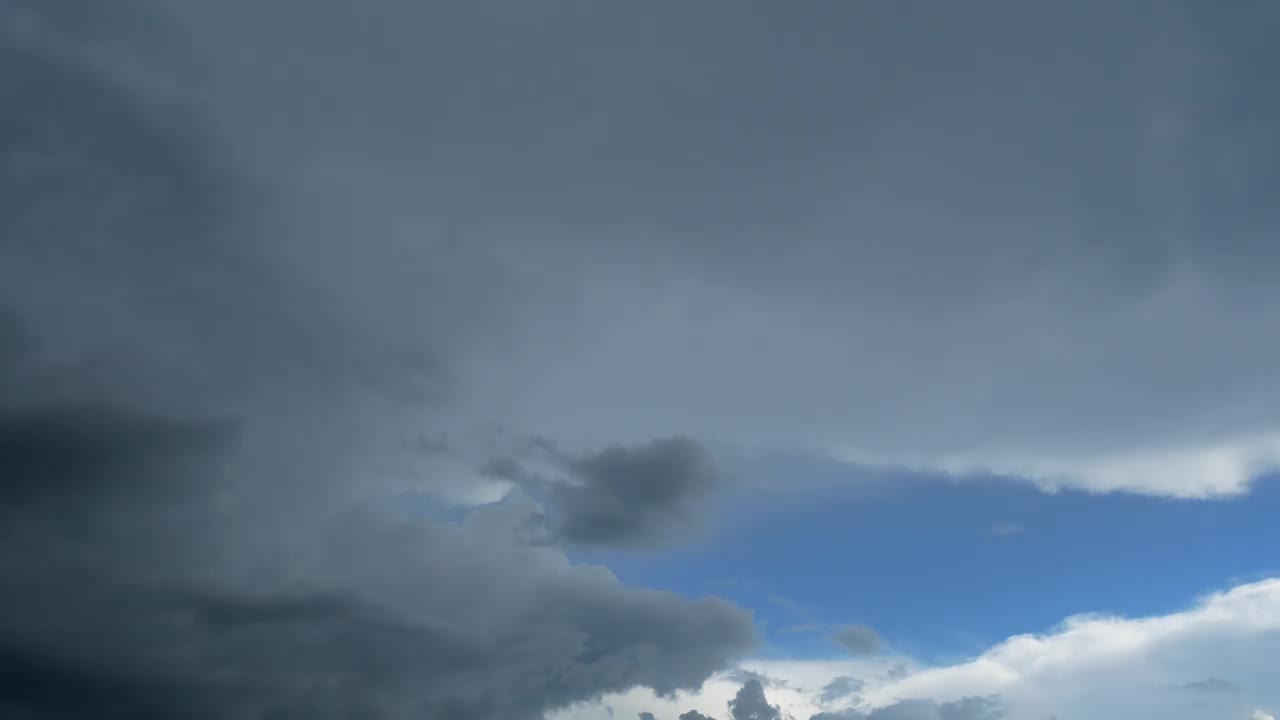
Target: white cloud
(1088, 667)
(1205, 471)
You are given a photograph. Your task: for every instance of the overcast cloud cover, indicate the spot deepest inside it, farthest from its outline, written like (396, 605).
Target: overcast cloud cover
(1025, 237)
(269, 268)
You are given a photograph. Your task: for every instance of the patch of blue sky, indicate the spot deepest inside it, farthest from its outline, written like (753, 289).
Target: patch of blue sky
(942, 569)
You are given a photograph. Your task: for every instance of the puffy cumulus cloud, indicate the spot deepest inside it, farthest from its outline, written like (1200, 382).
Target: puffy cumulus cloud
(1260, 715)
(194, 521)
(833, 226)
(1211, 660)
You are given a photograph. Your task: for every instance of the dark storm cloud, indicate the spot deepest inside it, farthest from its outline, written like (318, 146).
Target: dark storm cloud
(621, 495)
(190, 528)
(340, 224)
(86, 452)
(858, 639)
(379, 638)
(15, 345)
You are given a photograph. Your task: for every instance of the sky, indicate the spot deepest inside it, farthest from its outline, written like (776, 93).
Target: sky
(560, 360)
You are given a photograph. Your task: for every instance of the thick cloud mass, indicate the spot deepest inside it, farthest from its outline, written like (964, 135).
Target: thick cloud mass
(1027, 238)
(193, 518)
(249, 250)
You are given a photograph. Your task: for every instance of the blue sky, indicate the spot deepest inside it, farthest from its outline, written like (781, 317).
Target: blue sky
(930, 563)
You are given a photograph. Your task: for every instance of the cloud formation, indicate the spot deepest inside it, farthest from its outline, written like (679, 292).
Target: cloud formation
(1046, 260)
(247, 249)
(642, 495)
(192, 420)
(751, 704)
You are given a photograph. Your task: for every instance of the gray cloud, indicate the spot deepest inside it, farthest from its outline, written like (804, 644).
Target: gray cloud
(823, 245)
(81, 452)
(646, 716)
(629, 494)
(637, 495)
(858, 639)
(190, 407)
(247, 248)
(751, 704)
(693, 715)
(126, 619)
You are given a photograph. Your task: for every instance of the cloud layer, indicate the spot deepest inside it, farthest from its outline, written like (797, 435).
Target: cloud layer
(251, 254)
(1033, 244)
